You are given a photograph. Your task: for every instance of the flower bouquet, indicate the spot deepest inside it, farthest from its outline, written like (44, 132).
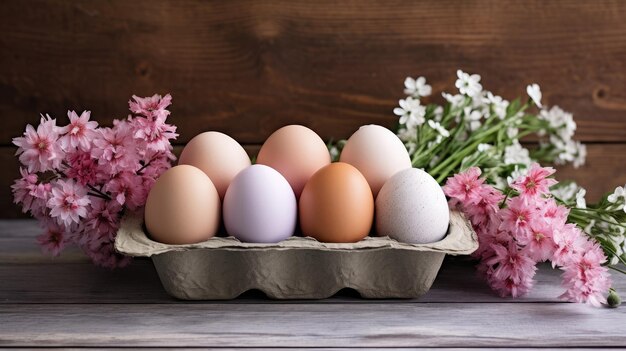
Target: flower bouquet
(471, 144)
(79, 179)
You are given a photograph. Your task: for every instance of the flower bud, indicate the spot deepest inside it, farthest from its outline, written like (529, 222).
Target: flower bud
(613, 300)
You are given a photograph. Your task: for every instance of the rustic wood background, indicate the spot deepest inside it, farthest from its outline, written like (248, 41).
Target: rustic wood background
(249, 67)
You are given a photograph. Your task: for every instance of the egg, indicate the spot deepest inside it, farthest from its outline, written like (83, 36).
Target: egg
(183, 207)
(296, 152)
(336, 205)
(260, 206)
(412, 208)
(218, 155)
(377, 153)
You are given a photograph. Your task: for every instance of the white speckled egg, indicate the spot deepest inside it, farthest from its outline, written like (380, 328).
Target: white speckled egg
(412, 208)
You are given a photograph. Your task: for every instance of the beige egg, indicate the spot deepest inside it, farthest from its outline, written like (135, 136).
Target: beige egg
(218, 155)
(183, 207)
(296, 152)
(377, 153)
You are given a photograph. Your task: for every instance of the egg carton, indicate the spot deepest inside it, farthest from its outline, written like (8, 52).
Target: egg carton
(297, 268)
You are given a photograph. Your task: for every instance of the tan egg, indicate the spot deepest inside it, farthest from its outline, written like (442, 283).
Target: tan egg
(218, 155)
(336, 205)
(183, 207)
(377, 153)
(296, 152)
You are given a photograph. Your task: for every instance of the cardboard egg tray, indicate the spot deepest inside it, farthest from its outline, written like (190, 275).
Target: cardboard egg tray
(297, 268)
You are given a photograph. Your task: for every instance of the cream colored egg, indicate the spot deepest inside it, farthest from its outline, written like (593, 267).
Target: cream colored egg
(183, 207)
(218, 155)
(377, 153)
(296, 152)
(412, 208)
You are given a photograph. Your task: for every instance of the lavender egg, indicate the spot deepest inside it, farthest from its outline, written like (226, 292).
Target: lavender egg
(260, 206)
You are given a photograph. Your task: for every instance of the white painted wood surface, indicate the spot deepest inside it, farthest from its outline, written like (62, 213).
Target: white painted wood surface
(67, 302)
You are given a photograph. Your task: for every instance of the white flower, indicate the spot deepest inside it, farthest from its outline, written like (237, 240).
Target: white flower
(567, 150)
(484, 147)
(619, 192)
(417, 87)
(581, 154)
(454, 100)
(580, 198)
(438, 113)
(433, 162)
(565, 192)
(411, 146)
(516, 174)
(468, 84)
(411, 112)
(440, 129)
(512, 132)
(498, 104)
(516, 154)
(561, 121)
(534, 92)
(407, 135)
(473, 118)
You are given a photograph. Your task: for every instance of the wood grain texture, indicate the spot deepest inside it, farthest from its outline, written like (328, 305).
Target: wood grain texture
(246, 67)
(312, 325)
(605, 169)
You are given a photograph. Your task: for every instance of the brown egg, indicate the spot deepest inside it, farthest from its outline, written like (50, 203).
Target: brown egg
(337, 205)
(218, 155)
(296, 152)
(183, 207)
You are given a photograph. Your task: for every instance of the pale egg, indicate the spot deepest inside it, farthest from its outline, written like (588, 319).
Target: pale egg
(183, 207)
(296, 152)
(218, 155)
(337, 205)
(260, 206)
(412, 208)
(377, 153)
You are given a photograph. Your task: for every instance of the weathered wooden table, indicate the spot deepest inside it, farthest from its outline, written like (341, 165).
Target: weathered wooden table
(67, 302)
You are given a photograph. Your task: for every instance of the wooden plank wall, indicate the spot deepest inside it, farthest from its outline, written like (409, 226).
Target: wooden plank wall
(249, 67)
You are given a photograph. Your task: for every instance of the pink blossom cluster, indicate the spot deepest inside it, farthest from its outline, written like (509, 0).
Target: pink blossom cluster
(524, 227)
(79, 179)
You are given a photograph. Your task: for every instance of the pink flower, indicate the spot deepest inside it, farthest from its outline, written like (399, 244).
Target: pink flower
(516, 218)
(512, 270)
(82, 167)
(80, 132)
(553, 213)
(585, 279)
(104, 218)
(156, 133)
(23, 189)
(127, 189)
(54, 239)
(536, 182)
(464, 187)
(115, 150)
(39, 150)
(482, 212)
(104, 255)
(148, 106)
(569, 242)
(68, 202)
(513, 287)
(539, 243)
(32, 196)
